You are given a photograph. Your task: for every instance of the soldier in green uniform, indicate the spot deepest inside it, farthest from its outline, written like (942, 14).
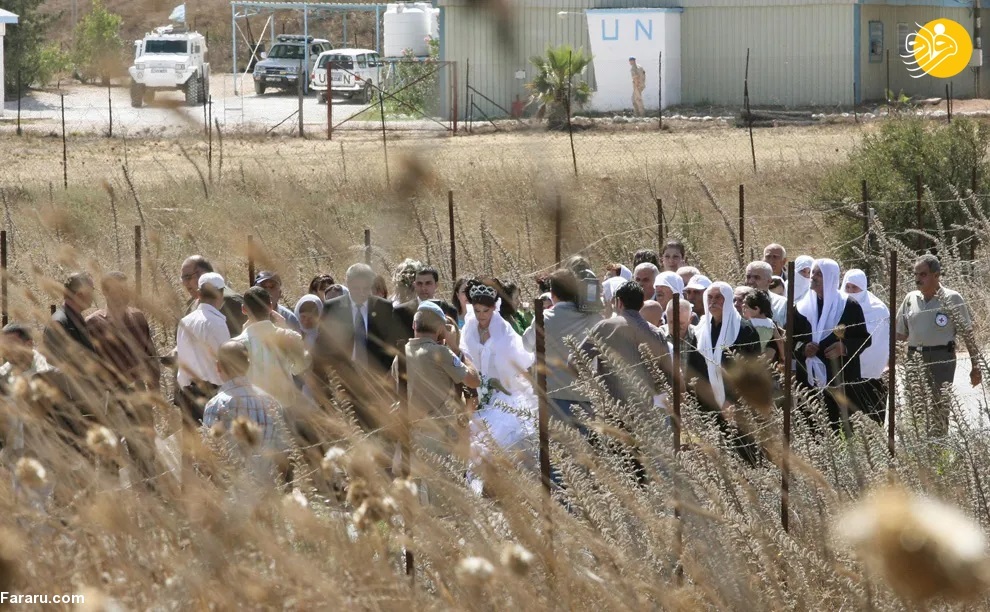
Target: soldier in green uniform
(930, 319)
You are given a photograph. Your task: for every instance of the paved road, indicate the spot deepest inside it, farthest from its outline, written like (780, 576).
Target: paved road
(87, 111)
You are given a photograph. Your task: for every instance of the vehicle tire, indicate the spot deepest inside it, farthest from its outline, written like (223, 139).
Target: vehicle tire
(206, 90)
(194, 91)
(321, 98)
(368, 94)
(137, 95)
(149, 96)
(259, 88)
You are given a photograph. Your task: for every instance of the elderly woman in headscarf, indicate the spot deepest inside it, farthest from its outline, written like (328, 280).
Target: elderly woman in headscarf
(308, 310)
(872, 392)
(829, 337)
(722, 336)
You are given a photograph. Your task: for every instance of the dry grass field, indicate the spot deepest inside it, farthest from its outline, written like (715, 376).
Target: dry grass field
(334, 537)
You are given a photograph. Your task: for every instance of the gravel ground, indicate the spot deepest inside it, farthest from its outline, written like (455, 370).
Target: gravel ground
(86, 111)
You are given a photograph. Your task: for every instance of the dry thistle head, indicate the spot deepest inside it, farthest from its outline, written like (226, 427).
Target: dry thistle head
(30, 473)
(332, 460)
(95, 600)
(357, 492)
(295, 499)
(475, 571)
(405, 488)
(923, 548)
(374, 510)
(102, 442)
(517, 559)
(753, 382)
(246, 432)
(11, 548)
(217, 431)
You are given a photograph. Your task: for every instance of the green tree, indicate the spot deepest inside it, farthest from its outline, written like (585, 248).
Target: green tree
(944, 156)
(415, 85)
(99, 48)
(554, 87)
(24, 43)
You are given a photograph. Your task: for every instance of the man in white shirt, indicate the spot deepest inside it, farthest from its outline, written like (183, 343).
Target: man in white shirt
(276, 354)
(758, 276)
(200, 334)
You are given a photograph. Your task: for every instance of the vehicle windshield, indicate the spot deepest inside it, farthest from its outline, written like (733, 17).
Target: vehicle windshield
(164, 46)
(339, 61)
(296, 52)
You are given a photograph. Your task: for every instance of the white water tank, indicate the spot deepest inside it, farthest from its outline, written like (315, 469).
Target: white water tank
(407, 25)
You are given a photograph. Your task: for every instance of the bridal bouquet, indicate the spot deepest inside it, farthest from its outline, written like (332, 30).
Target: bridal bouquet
(488, 388)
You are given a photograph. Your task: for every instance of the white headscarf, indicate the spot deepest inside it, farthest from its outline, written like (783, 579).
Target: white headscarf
(670, 280)
(801, 284)
(712, 349)
(610, 286)
(625, 273)
(309, 335)
(873, 359)
(833, 303)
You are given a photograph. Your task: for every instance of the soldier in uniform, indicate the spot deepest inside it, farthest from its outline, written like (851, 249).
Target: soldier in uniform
(433, 371)
(639, 84)
(929, 319)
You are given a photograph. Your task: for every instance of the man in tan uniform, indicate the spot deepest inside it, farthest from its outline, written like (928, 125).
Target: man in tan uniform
(929, 320)
(639, 84)
(432, 372)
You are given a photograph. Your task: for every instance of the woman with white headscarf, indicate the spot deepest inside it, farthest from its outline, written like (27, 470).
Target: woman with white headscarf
(872, 393)
(802, 276)
(720, 332)
(829, 337)
(506, 414)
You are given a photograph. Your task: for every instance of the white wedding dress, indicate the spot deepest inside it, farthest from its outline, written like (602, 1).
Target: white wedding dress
(505, 421)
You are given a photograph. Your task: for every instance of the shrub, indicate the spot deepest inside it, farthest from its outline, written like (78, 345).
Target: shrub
(419, 92)
(554, 87)
(944, 156)
(99, 48)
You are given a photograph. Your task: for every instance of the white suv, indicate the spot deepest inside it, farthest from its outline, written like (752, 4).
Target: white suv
(170, 59)
(353, 73)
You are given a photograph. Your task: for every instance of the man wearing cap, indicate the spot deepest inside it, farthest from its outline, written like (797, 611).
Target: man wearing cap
(930, 319)
(433, 372)
(272, 283)
(694, 292)
(199, 337)
(639, 84)
(232, 306)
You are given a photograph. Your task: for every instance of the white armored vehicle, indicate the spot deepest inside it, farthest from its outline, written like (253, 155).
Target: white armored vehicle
(170, 59)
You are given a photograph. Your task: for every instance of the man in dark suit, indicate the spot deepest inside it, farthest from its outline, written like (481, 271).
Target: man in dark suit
(66, 333)
(830, 333)
(357, 345)
(425, 285)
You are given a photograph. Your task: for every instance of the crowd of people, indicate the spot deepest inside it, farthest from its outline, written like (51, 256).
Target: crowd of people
(466, 364)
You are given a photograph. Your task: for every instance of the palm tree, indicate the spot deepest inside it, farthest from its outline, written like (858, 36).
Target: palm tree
(554, 88)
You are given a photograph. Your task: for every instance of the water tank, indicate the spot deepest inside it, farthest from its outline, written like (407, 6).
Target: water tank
(432, 16)
(406, 27)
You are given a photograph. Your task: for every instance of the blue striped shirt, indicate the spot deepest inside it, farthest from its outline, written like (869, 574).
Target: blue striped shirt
(239, 398)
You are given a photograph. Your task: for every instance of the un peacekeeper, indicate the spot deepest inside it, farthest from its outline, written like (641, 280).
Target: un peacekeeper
(433, 371)
(929, 320)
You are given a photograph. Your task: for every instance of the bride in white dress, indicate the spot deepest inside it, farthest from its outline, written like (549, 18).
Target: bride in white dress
(507, 406)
